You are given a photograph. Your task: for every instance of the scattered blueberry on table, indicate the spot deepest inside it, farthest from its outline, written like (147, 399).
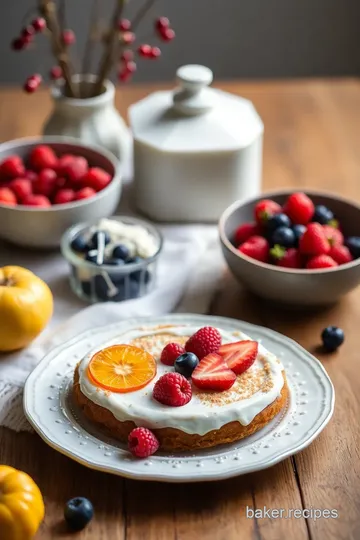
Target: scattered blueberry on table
(332, 337)
(78, 513)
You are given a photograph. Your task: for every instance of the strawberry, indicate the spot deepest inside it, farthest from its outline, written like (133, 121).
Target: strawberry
(12, 167)
(314, 241)
(97, 178)
(74, 168)
(205, 341)
(265, 209)
(43, 157)
(340, 254)
(256, 247)
(7, 197)
(36, 200)
(334, 236)
(299, 208)
(45, 184)
(240, 355)
(85, 193)
(244, 232)
(321, 261)
(212, 373)
(21, 187)
(64, 196)
(287, 258)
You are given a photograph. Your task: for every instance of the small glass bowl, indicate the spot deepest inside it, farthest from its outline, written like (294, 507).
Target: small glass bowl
(108, 283)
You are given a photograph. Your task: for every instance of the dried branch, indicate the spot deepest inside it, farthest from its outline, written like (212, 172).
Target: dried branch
(138, 17)
(91, 37)
(48, 10)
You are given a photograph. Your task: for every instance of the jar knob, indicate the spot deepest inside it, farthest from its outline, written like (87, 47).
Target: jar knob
(193, 97)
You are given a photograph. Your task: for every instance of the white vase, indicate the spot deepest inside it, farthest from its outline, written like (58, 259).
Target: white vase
(93, 120)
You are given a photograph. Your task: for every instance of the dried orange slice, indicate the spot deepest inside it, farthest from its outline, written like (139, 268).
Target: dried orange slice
(122, 368)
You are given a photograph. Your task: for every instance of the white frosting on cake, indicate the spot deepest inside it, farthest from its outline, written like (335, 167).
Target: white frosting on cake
(252, 392)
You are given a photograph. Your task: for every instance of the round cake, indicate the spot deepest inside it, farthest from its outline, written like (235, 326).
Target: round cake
(210, 418)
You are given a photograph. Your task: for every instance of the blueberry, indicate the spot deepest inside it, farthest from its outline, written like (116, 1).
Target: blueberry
(91, 256)
(186, 363)
(121, 252)
(279, 220)
(115, 262)
(78, 513)
(332, 337)
(95, 238)
(322, 214)
(127, 290)
(79, 244)
(134, 260)
(284, 236)
(298, 231)
(353, 243)
(105, 289)
(86, 287)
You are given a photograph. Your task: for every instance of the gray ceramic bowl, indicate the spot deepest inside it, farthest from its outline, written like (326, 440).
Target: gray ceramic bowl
(296, 287)
(43, 227)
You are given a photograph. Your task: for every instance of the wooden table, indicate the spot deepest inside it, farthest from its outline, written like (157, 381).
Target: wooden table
(312, 139)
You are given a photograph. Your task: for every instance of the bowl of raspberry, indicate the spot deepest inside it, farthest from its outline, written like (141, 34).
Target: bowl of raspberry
(48, 184)
(292, 247)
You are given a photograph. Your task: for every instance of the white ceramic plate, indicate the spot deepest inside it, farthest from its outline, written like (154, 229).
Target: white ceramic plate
(49, 408)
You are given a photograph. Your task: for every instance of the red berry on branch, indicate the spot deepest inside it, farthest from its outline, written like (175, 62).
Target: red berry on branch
(155, 52)
(130, 67)
(39, 24)
(68, 37)
(124, 25)
(18, 44)
(27, 32)
(167, 34)
(127, 72)
(56, 73)
(127, 55)
(128, 38)
(145, 50)
(32, 83)
(161, 23)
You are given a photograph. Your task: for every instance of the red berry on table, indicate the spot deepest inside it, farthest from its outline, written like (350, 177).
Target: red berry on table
(68, 37)
(97, 178)
(22, 187)
(7, 197)
(244, 232)
(39, 24)
(256, 247)
(265, 209)
(43, 157)
(205, 341)
(155, 52)
(124, 25)
(45, 184)
(168, 34)
(12, 167)
(56, 73)
(36, 200)
(286, 258)
(300, 208)
(321, 261)
(64, 196)
(145, 50)
(85, 193)
(213, 373)
(128, 38)
(162, 23)
(340, 254)
(240, 355)
(172, 389)
(142, 443)
(314, 241)
(170, 353)
(334, 236)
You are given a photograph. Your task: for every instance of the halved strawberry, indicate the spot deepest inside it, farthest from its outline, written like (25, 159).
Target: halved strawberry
(212, 373)
(239, 356)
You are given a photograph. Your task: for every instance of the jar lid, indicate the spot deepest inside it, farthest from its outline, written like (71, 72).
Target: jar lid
(194, 117)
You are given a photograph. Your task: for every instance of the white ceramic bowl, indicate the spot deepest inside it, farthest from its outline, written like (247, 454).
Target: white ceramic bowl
(35, 227)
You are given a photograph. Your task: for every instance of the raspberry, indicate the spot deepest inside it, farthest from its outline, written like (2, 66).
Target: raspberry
(172, 389)
(205, 341)
(97, 178)
(64, 196)
(290, 258)
(43, 157)
(85, 193)
(314, 241)
(12, 167)
(170, 353)
(244, 232)
(21, 187)
(7, 197)
(321, 261)
(36, 200)
(265, 209)
(334, 236)
(300, 208)
(340, 254)
(256, 247)
(142, 442)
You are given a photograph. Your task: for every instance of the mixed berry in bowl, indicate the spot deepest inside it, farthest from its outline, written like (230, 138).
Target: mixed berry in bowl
(297, 235)
(113, 259)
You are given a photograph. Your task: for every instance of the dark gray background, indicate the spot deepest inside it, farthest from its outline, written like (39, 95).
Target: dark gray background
(236, 38)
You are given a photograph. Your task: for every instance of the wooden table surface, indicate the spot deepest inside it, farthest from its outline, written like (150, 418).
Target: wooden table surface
(312, 139)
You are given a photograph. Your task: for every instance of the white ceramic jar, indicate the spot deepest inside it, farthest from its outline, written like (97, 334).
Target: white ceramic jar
(196, 149)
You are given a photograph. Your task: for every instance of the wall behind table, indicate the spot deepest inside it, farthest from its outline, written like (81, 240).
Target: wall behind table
(236, 38)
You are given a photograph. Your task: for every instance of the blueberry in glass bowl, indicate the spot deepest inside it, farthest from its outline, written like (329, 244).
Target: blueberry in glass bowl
(112, 260)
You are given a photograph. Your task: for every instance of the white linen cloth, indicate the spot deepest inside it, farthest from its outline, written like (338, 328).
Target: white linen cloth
(189, 268)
